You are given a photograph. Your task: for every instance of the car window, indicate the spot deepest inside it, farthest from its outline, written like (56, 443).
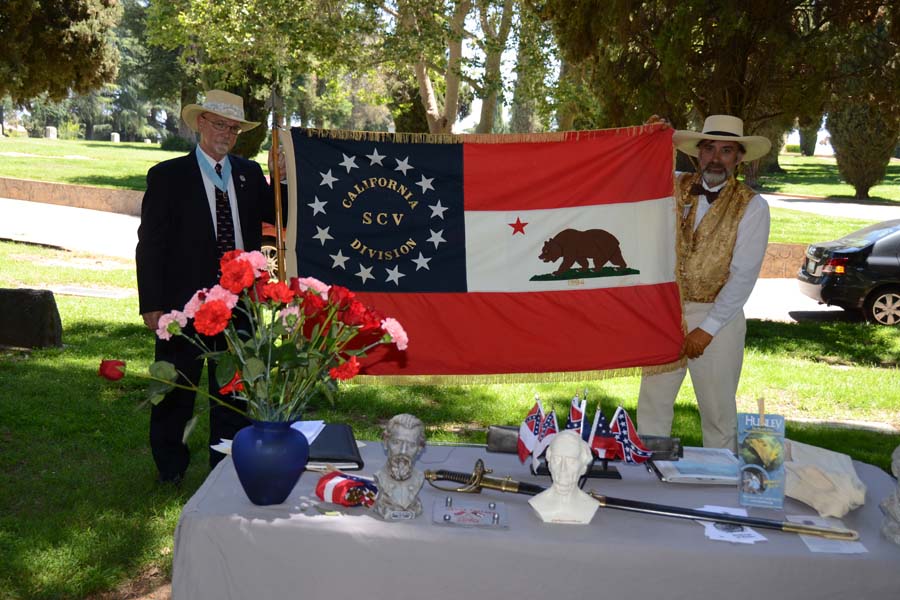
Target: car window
(870, 234)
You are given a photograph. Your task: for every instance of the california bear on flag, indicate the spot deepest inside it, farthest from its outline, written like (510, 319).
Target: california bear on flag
(501, 255)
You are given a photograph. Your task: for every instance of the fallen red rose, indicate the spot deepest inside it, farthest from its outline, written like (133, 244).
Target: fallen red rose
(113, 370)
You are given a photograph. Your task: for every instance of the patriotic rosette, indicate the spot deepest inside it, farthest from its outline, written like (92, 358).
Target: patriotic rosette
(340, 488)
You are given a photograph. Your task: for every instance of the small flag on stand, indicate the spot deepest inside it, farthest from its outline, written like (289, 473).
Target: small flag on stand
(631, 448)
(529, 430)
(549, 428)
(575, 421)
(601, 441)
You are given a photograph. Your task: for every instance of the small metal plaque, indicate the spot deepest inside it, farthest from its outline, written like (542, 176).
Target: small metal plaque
(468, 513)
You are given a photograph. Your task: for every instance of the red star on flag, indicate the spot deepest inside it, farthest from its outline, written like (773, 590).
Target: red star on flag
(518, 226)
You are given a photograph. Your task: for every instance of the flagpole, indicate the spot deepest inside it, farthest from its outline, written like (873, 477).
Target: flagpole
(276, 182)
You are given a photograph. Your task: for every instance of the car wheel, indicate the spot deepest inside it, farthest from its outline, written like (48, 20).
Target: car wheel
(883, 306)
(269, 249)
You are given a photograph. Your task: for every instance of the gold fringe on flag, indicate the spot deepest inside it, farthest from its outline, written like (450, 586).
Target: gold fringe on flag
(477, 138)
(503, 378)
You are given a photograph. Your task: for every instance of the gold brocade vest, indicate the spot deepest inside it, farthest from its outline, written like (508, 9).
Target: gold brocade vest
(704, 254)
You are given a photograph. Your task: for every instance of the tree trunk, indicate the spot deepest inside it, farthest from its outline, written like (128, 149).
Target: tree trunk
(188, 96)
(494, 44)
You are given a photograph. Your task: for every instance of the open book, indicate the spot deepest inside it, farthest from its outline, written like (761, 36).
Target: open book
(699, 465)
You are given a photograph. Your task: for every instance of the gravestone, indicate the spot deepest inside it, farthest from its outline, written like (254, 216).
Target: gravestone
(114, 137)
(50, 132)
(29, 319)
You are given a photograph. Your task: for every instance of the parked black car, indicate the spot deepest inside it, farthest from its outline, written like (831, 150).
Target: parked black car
(860, 271)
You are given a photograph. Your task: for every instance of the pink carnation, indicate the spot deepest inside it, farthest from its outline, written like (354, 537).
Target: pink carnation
(194, 304)
(170, 324)
(394, 329)
(311, 283)
(220, 293)
(257, 260)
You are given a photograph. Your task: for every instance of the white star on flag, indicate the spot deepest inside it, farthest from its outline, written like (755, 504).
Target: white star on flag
(365, 273)
(403, 165)
(394, 275)
(318, 206)
(436, 238)
(375, 158)
(437, 210)
(328, 179)
(422, 262)
(349, 162)
(339, 260)
(425, 184)
(322, 234)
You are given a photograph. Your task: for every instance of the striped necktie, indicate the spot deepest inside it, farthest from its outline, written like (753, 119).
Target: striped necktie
(224, 222)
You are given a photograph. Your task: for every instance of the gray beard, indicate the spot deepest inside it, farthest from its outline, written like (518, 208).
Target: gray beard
(400, 467)
(714, 179)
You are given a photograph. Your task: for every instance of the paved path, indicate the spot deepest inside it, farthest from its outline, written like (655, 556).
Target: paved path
(837, 208)
(113, 234)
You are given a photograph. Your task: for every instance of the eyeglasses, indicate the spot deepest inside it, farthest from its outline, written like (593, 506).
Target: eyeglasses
(221, 126)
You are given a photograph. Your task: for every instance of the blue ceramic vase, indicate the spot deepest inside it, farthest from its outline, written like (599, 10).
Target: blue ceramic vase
(269, 459)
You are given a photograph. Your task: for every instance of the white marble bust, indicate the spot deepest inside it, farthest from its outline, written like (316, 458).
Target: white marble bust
(398, 480)
(568, 457)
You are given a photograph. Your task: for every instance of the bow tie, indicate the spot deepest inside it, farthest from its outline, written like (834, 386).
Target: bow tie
(699, 190)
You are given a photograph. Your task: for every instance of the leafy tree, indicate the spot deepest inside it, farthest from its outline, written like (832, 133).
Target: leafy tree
(864, 117)
(691, 58)
(809, 134)
(55, 47)
(495, 24)
(535, 53)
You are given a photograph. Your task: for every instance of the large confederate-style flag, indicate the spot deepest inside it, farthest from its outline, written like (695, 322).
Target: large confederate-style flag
(500, 255)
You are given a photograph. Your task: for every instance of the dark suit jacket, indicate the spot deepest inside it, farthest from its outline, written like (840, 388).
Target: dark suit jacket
(176, 251)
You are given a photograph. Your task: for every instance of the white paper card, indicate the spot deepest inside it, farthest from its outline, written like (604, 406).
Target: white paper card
(820, 544)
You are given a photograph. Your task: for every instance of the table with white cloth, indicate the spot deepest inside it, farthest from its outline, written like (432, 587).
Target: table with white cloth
(226, 547)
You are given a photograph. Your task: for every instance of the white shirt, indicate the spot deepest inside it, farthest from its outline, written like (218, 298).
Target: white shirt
(211, 198)
(746, 261)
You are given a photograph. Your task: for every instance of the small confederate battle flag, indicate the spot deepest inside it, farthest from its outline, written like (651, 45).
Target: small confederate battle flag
(529, 430)
(337, 487)
(601, 441)
(575, 421)
(631, 448)
(549, 428)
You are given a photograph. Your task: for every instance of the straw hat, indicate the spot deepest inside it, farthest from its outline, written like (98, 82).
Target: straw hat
(218, 102)
(724, 128)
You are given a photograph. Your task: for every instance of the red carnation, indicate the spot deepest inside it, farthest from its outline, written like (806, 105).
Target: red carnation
(235, 385)
(277, 291)
(237, 276)
(113, 370)
(348, 370)
(355, 314)
(340, 296)
(212, 318)
(228, 257)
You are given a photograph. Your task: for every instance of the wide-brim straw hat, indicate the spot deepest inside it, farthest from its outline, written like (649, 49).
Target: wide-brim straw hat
(218, 102)
(724, 128)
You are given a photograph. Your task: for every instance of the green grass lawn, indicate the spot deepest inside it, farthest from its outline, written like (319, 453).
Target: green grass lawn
(80, 512)
(101, 164)
(818, 176)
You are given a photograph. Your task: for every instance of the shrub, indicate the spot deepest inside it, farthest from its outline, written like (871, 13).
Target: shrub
(863, 136)
(176, 143)
(792, 148)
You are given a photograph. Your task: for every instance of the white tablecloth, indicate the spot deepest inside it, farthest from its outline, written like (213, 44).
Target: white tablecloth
(226, 547)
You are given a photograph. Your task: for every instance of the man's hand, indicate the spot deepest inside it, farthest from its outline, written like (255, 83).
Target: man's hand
(695, 343)
(654, 119)
(151, 319)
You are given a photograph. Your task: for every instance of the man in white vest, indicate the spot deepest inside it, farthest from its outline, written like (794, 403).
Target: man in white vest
(723, 229)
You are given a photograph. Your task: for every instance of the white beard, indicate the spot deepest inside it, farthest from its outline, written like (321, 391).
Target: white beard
(713, 179)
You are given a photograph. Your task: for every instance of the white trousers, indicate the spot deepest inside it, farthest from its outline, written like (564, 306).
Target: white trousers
(715, 375)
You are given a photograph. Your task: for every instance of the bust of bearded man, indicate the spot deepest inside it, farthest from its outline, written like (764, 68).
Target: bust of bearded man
(398, 480)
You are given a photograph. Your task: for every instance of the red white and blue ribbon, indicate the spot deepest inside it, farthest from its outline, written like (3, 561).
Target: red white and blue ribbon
(337, 487)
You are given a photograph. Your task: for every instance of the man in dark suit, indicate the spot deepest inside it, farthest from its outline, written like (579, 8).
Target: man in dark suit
(196, 208)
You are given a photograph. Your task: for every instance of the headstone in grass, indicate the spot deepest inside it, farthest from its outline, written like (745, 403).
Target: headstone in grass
(50, 132)
(114, 137)
(29, 319)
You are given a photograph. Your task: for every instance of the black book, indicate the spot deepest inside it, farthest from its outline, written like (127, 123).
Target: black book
(335, 445)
